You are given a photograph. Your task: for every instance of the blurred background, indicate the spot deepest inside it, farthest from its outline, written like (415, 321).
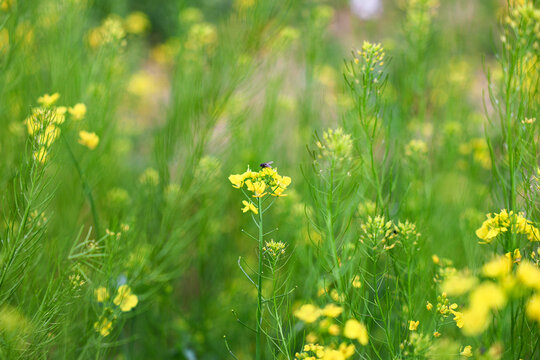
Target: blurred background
(184, 93)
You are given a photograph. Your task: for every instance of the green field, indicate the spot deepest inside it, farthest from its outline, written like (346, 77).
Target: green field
(263, 179)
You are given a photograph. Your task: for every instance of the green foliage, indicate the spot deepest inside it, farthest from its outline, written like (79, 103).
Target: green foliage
(121, 237)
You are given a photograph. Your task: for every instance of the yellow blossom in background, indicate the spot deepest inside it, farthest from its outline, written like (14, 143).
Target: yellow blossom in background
(110, 31)
(435, 259)
(488, 295)
(308, 313)
(498, 267)
(59, 115)
(136, 23)
(533, 308)
(466, 351)
(346, 350)
(78, 111)
(191, 15)
(5, 5)
(102, 294)
(356, 283)
(48, 100)
(311, 338)
(436, 334)
(416, 148)
(332, 310)
(475, 320)
(150, 176)
(413, 325)
(142, 84)
(458, 284)
(356, 330)
(248, 206)
(125, 299)
(333, 330)
(104, 326)
(88, 139)
(506, 221)
(529, 275)
(429, 306)
(201, 36)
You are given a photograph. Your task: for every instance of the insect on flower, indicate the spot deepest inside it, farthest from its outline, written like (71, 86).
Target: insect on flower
(266, 164)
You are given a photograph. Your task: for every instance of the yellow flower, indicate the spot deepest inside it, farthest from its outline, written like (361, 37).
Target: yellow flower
(332, 310)
(437, 334)
(48, 100)
(308, 313)
(256, 188)
(458, 318)
(136, 23)
(356, 283)
(435, 259)
(429, 306)
(249, 206)
(103, 327)
(333, 355)
(458, 284)
(356, 330)
(237, 180)
(413, 325)
(78, 111)
(488, 295)
(311, 338)
(101, 294)
(125, 299)
(529, 275)
(333, 330)
(50, 134)
(59, 115)
(88, 139)
(40, 155)
(475, 321)
(498, 267)
(467, 351)
(346, 350)
(533, 308)
(516, 256)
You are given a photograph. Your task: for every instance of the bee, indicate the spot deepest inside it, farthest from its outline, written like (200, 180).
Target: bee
(266, 164)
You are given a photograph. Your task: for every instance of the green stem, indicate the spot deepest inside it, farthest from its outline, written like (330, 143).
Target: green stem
(86, 187)
(258, 350)
(330, 230)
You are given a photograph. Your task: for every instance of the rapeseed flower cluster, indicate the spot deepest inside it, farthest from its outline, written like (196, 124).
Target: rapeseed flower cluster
(336, 145)
(45, 120)
(324, 322)
(274, 248)
(111, 31)
(503, 222)
(506, 277)
(416, 148)
(124, 301)
(524, 23)
(370, 56)
(260, 184)
(478, 149)
(377, 232)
